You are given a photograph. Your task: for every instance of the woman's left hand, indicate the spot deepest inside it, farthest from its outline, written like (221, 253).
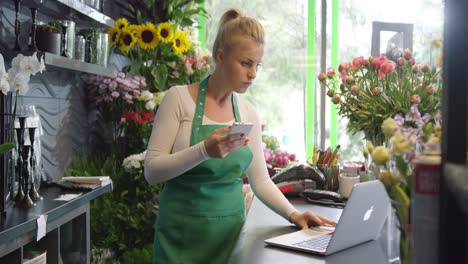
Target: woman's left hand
(308, 219)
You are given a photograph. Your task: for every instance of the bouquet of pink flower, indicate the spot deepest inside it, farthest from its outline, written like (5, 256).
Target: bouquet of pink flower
(274, 156)
(368, 91)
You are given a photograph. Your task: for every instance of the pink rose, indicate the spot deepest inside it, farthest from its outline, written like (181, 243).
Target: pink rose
(292, 157)
(388, 66)
(430, 89)
(415, 68)
(381, 74)
(415, 99)
(330, 72)
(322, 77)
(377, 62)
(413, 61)
(343, 76)
(349, 80)
(336, 99)
(115, 94)
(425, 68)
(376, 91)
(365, 62)
(401, 61)
(407, 54)
(357, 62)
(354, 89)
(188, 68)
(342, 68)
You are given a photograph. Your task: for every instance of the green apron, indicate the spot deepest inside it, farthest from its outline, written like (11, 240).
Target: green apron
(202, 211)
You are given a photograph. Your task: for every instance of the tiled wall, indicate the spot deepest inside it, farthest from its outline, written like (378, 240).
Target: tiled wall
(60, 98)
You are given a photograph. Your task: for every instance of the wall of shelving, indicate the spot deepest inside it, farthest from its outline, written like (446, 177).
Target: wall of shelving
(59, 93)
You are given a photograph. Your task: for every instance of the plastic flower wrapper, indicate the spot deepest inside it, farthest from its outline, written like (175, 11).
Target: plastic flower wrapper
(370, 90)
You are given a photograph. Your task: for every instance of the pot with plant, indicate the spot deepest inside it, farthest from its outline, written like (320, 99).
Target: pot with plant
(48, 37)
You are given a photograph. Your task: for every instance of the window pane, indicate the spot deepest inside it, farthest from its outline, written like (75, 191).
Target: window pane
(355, 32)
(278, 92)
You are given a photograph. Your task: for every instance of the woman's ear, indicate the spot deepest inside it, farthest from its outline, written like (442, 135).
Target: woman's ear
(219, 56)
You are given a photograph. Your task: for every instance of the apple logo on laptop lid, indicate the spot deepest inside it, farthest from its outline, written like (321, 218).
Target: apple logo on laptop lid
(368, 213)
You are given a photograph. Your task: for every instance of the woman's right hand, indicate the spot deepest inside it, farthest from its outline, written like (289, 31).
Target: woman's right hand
(218, 146)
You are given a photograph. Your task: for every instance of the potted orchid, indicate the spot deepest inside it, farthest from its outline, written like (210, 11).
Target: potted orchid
(15, 81)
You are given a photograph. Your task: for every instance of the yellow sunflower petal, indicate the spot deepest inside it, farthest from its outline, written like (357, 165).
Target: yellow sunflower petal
(165, 32)
(121, 23)
(180, 44)
(135, 29)
(148, 36)
(127, 40)
(114, 36)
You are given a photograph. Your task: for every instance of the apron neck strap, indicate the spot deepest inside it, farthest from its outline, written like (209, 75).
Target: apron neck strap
(200, 107)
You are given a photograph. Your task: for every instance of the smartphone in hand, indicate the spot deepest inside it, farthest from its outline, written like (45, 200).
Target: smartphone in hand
(241, 128)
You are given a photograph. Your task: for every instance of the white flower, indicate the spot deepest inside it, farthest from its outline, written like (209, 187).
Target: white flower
(146, 95)
(4, 86)
(30, 64)
(150, 105)
(192, 36)
(2, 65)
(19, 82)
(134, 161)
(15, 63)
(42, 66)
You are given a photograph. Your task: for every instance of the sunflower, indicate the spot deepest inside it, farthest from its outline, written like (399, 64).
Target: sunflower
(135, 29)
(147, 36)
(114, 36)
(127, 40)
(180, 44)
(165, 32)
(121, 23)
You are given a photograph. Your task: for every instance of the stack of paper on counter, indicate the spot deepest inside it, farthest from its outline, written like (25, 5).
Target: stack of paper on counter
(103, 180)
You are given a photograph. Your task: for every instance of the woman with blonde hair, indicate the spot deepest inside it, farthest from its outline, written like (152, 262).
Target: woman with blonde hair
(202, 205)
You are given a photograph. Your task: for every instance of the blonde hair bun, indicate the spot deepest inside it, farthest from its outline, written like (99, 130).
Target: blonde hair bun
(231, 14)
(234, 24)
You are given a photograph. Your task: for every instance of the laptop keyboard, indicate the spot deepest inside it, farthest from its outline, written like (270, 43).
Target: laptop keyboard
(318, 243)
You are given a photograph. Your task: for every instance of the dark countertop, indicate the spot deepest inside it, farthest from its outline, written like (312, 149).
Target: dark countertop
(262, 223)
(20, 221)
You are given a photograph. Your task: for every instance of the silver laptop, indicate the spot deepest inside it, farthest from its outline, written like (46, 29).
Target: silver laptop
(361, 221)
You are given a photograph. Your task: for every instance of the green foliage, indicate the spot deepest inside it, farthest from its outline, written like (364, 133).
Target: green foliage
(54, 26)
(182, 12)
(138, 256)
(6, 147)
(271, 142)
(123, 219)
